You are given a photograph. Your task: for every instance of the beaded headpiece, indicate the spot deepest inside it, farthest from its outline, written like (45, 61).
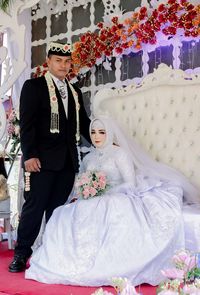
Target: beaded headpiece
(60, 49)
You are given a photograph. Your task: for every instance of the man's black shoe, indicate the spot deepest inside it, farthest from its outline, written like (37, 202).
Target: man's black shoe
(18, 264)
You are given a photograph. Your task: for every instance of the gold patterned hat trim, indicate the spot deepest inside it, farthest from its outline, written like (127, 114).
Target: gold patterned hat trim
(60, 49)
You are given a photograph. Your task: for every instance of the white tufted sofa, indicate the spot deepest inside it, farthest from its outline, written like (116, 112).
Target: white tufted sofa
(163, 115)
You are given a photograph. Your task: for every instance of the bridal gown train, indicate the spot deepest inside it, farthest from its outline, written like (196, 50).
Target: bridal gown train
(131, 231)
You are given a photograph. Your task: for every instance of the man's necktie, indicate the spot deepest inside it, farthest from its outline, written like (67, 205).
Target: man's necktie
(62, 89)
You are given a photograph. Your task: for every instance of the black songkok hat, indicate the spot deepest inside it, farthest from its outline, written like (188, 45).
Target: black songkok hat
(59, 49)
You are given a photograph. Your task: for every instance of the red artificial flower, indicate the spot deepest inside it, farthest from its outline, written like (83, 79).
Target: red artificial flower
(173, 18)
(114, 29)
(116, 38)
(162, 18)
(125, 45)
(172, 30)
(83, 56)
(188, 25)
(187, 33)
(153, 41)
(173, 8)
(97, 54)
(141, 16)
(115, 19)
(170, 2)
(165, 31)
(191, 15)
(183, 2)
(118, 50)
(143, 10)
(190, 7)
(142, 13)
(102, 37)
(120, 26)
(102, 47)
(157, 26)
(155, 13)
(97, 43)
(161, 7)
(194, 33)
(100, 25)
(180, 23)
(83, 38)
(89, 65)
(107, 52)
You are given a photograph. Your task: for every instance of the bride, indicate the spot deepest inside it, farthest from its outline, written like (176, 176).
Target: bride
(131, 231)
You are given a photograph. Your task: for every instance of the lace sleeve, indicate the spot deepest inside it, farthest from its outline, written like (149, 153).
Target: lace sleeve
(125, 166)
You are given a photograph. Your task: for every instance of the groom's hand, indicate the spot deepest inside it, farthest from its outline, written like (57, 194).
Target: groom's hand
(32, 165)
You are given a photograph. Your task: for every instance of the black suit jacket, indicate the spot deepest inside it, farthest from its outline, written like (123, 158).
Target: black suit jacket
(53, 149)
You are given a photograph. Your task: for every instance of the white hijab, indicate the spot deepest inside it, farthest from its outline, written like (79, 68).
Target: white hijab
(141, 160)
(102, 123)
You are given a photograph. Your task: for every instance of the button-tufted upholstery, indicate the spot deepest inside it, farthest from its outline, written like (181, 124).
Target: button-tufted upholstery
(163, 115)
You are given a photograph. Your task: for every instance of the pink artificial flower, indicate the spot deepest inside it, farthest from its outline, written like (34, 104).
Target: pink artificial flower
(173, 273)
(90, 184)
(86, 192)
(102, 184)
(84, 179)
(184, 260)
(100, 174)
(190, 263)
(93, 191)
(102, 177)
(95, 184)
(11, 129)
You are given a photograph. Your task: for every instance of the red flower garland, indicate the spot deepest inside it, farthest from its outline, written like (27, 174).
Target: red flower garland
(141, 28)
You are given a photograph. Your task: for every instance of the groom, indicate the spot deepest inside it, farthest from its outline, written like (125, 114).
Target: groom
(52, 116)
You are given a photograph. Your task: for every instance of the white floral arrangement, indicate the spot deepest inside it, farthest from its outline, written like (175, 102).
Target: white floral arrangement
(184, 277)
(121, 285)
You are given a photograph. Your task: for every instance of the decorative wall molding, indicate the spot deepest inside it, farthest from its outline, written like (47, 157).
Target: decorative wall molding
(9, 22)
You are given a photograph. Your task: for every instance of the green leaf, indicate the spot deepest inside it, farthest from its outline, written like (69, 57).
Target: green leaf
(4, 4)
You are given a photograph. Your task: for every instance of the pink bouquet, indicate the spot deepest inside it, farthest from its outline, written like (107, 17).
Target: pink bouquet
(91, 184)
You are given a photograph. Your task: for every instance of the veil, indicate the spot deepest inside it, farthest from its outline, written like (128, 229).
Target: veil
(149, 167)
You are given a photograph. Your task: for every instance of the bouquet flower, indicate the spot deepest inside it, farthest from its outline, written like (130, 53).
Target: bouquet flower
(91, 184)
(13, 130)
(184, 278)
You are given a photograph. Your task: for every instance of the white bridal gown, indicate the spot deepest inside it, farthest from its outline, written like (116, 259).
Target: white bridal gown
(129, 232)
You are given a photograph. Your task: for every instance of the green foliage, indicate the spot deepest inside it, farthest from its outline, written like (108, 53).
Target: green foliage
(193, 274)
(4, 4)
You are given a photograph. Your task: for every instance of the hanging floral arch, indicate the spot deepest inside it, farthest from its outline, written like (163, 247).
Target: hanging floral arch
(122, 35)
